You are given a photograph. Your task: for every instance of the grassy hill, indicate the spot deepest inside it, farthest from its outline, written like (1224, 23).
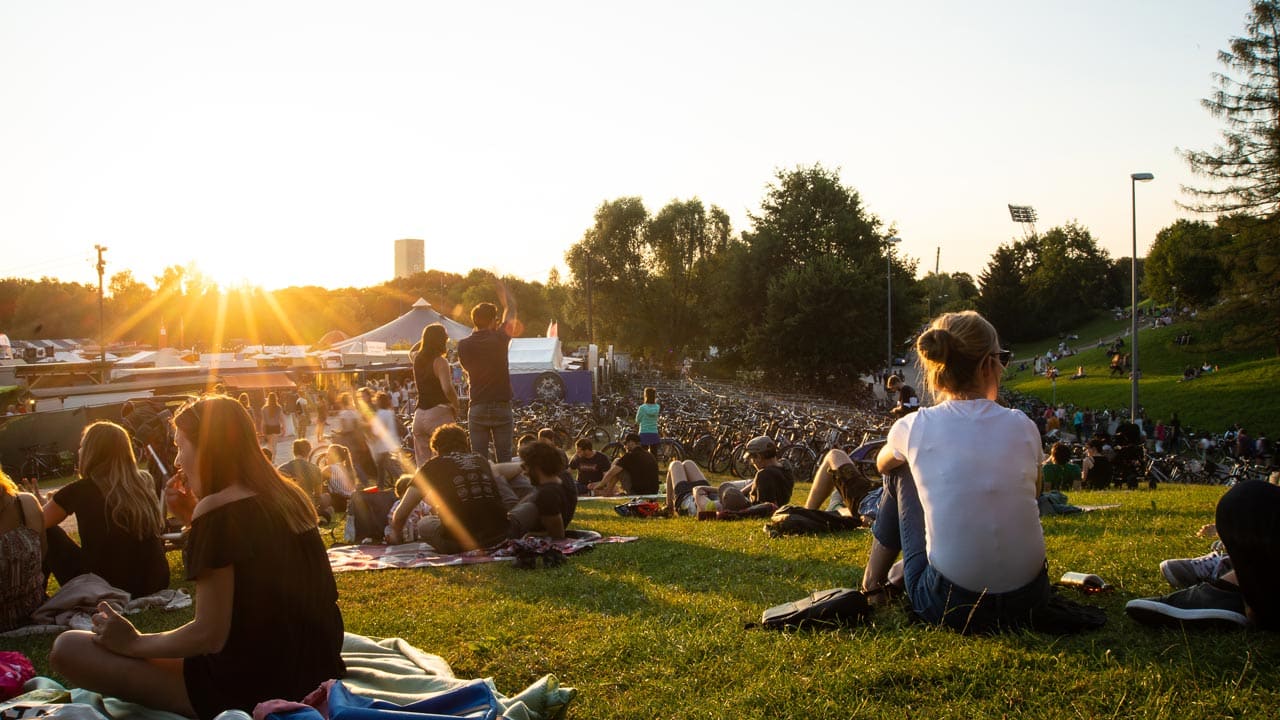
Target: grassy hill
(1245, 389)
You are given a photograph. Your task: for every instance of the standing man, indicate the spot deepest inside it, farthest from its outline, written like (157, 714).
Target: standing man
(484, 356)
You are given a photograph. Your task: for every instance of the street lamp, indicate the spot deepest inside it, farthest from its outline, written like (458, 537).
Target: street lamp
(1134, 179)
(888, 277)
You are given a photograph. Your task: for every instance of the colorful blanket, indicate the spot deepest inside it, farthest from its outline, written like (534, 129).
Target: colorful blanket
(349, 558)
(388, 669)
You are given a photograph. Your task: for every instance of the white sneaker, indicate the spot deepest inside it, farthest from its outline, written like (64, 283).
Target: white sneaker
(1185, 572)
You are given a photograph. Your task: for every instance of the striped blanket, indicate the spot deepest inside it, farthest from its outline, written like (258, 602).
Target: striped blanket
(349, 558)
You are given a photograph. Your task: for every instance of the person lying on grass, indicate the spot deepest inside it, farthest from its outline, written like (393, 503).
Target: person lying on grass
(549, 508)
(965, 516)
(267, 623)
(837, 475)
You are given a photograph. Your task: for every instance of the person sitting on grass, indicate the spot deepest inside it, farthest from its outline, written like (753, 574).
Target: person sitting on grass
(634, 473)
(409, 526)
(22, 582)
(965, 518)
(1059, 472)
(591, 466)
(549, 508)
(838, 478)
(468, 512)
(1237, 587)
(548, 436)
(310, 478)
(340, 476)
(118, 514)
(772, 482)
(267, 623)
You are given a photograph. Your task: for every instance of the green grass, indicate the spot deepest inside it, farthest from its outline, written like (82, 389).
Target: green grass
(654, 628)
(1246, 388)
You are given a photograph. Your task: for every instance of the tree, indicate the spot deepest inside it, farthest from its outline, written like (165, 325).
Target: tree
(610, 258)
(1184, 264)
(680, 240)
(1003, 298)
(1245, 168)
(809, 215)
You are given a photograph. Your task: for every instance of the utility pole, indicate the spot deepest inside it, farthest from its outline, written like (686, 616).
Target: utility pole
(591, 336)
(102, 322)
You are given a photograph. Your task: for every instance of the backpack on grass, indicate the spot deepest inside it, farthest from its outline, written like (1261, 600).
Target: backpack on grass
(823, 609)
(797, 520)
(369, 511)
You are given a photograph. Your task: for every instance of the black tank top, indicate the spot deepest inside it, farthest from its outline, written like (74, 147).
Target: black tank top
(430, 394)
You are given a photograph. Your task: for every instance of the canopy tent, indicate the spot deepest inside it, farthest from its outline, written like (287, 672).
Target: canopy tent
(404, 330)
(531, 355)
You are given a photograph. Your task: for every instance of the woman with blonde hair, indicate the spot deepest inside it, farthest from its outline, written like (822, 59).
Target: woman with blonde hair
(21, 550)
(118, 515)
(964, 517)
(266, 624)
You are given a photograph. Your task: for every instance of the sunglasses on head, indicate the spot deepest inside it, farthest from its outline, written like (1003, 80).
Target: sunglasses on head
(1005, 356)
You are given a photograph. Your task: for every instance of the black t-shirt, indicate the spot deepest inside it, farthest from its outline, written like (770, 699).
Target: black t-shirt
(286, 629)
(483, 354)
(642, 468)
(684, 489)
(590, 469)
(772, 484)
(110, 551)
(306, 473)
(461, 488)
(905, 394)
(430, 394)
(556, 498)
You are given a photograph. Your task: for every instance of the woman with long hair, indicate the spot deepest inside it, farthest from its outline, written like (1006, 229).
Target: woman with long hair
(339, 476)
(118, 515)
(272, 422)
(21, 551)
(965, 517)
(437, 398)
(266, 624)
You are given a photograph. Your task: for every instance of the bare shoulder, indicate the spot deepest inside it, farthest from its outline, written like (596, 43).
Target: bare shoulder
(209, 503)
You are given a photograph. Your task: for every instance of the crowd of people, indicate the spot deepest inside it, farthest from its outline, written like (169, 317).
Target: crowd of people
(951, 494)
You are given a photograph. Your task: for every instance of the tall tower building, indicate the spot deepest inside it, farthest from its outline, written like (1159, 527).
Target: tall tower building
(409, 257)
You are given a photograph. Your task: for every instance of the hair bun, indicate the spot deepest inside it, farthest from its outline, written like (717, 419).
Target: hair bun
(935, 345)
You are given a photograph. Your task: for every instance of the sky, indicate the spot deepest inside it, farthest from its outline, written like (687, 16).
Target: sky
(283, 143)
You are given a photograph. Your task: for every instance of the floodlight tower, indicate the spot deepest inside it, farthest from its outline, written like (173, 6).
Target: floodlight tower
(1026, 215)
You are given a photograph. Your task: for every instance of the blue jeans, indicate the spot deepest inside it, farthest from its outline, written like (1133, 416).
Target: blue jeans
(491, 422)
(934, 598)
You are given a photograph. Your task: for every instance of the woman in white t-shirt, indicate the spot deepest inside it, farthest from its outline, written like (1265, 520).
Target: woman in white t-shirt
(965, 516)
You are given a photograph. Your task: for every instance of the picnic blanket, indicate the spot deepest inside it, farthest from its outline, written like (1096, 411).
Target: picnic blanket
(388, 669)
(349, 558)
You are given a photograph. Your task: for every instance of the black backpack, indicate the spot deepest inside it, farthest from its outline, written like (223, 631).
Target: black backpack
(823, 609)
(370, 512)
(797, 520)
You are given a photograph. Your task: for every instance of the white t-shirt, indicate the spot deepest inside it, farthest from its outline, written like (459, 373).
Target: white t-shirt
(975, 465)
(387, 431)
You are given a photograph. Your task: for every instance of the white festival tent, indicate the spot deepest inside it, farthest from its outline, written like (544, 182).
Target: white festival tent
(404, 330)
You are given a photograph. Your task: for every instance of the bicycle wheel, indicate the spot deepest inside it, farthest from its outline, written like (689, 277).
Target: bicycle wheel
(739, 465)
(720, 460)
(666, 451)
(613, 450)
(700, 451)
(802, 461)
(598, 435)
(320, 456)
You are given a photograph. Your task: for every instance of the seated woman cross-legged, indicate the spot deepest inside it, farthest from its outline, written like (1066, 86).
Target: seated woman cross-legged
(266, 624)
(964, 517)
